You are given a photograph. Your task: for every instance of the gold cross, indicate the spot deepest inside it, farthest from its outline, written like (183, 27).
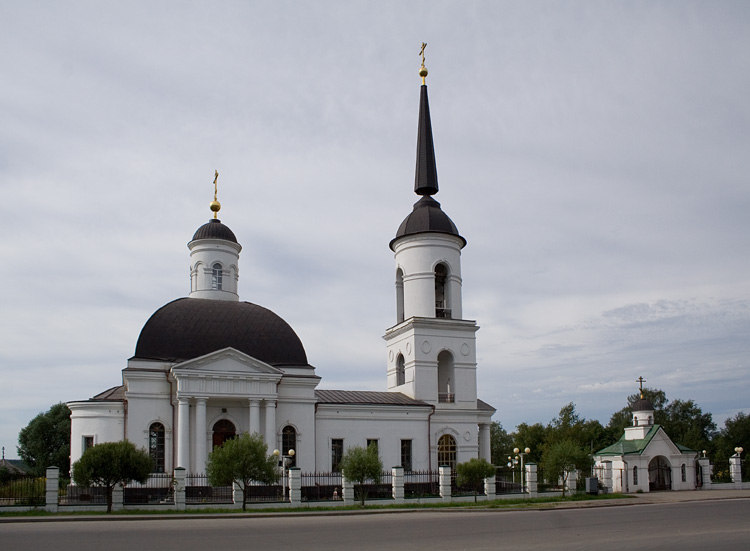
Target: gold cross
(421, 52)
(641, 380)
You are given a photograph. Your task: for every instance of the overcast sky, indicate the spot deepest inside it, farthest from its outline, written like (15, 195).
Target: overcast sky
(596, 157)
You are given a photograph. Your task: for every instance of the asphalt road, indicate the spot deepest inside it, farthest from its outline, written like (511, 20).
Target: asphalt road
(674, 526)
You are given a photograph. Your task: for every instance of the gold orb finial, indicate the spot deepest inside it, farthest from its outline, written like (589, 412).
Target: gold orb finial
(214, 205)
(423, 69)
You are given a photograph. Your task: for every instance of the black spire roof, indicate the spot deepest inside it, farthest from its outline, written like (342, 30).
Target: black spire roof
(425, 178)
(427, 216)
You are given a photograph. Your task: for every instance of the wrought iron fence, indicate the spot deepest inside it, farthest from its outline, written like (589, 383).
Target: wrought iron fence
(379, 490)
(465, 489)
(82, 495)
(508, 481)
(321, 486)
(198, 490)
(159, 488)
(23, 490)
(418, 484)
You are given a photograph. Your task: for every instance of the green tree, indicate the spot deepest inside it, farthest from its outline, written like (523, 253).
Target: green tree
(736, 432)
(45, 441)
(500, 443)
(361, 465)
(243, 460)
(562, 457)
(112, 463)
(686, 424)
(473, 472)
(533, 437)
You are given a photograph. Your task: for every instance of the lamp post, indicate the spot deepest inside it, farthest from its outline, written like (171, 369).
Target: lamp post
(512, 462)
(738, 450)
(284, 464)
(522, 453)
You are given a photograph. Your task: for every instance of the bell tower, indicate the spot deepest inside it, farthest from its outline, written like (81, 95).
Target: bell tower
(431, 349)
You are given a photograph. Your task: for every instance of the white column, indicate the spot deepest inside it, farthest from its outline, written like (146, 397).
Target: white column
(485, 450)
(254, 416)
(200, 435)
(270, 424)
(183, 433)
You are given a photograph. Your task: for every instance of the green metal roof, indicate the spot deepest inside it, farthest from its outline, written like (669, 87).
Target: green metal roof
(633, 447)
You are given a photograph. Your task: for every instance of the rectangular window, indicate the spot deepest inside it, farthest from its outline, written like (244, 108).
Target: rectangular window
(406, 454)
(337, 452)
(88, 442)
(372, 442)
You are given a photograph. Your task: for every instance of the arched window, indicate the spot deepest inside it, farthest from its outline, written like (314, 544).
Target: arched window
(447, 451)
(635, 476)
(289, 442)
(156, 446)
(635, 421)
(216, 277)
(399, 295)
(400, 370)
(223, 430)
(683, 471)
(446, 386)
(442, 308)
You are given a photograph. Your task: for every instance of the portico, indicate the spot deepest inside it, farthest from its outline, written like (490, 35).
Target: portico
(225, 385)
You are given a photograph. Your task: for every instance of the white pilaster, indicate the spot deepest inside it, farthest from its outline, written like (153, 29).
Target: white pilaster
(183, 433)
(270, 432)
(485, 450)
(254, 416)
(200, 435)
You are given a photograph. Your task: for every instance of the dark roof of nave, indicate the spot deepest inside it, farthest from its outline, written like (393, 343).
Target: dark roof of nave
(188, 328)
(366, 397)
(214, 229)
(426, 217)
(114, 394)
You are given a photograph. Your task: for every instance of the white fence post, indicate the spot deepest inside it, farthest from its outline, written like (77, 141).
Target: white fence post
(179, 489)
(489, 487)
(52, 489)
(397, 484)
(445, 482)
(531, 479)
(347, 489)
(295, 486)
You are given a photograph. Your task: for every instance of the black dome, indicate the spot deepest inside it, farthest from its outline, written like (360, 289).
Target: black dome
(427, 217)
(191, 327)
(642, 405)
(214, 230)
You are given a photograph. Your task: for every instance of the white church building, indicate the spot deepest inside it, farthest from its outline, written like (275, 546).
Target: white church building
(645, 458)
(210, 366)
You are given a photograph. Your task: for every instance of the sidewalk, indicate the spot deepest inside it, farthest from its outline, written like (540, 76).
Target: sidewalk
(632, 499)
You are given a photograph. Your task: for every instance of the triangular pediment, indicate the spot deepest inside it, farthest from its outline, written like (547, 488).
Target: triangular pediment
(228, 361)
(661, 444)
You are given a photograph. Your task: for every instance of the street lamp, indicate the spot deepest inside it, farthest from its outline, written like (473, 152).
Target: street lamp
(512, 462)
(738, 450)
(284, 464)
(522, 453)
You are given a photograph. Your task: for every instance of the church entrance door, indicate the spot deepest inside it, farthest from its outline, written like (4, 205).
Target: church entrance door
(223, 430)
(659, 474)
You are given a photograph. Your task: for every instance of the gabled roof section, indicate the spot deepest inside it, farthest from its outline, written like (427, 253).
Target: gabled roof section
(114, 394)
(484, 406)
(363, 397)
(637, 447)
